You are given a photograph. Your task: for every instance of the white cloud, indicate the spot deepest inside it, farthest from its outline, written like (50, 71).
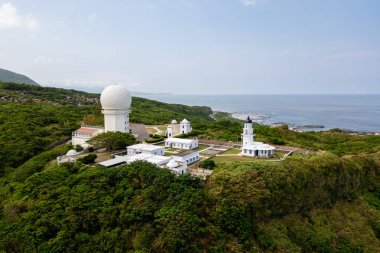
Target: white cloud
(249, 2)
(10, 18)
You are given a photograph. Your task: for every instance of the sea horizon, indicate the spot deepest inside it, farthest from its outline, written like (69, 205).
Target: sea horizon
(354, 112)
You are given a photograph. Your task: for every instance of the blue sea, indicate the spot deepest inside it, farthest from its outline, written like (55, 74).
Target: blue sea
(350, 112)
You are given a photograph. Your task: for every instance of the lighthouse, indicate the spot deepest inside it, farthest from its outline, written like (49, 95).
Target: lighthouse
(248, 134)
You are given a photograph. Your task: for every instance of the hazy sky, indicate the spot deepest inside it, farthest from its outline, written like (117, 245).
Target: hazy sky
(195, 46)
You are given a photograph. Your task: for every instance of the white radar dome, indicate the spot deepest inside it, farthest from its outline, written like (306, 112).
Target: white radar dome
(172, 164)
(116, 97)
(72, 152)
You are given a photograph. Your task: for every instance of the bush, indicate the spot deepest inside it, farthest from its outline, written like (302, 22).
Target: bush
(207, 164)
(88, 159)
(376, 228)
(78, 148)
(191, 134)
(277, 141)
(154, 140)
(266, 242)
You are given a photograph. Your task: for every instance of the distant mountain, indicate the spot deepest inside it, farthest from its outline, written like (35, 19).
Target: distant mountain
(12, 77)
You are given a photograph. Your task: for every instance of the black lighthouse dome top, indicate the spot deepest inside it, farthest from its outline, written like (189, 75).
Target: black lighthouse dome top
(248, 120)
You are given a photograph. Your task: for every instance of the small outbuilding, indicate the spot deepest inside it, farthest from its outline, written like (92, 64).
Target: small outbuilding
(176, 167)
(187, 157)
(70, 157)
(83, 134)
(175, 129)
(179, 143)
(145, 149)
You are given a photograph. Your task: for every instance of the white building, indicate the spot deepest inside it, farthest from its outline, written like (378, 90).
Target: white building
(185, 126)
(116, 103)
(127, 159)
(83, 134)
(187, 157)
(252, 148)
(181, 143)
(160, 161)
(176, 166)
(145, 149)
(70, 157)
(175, 129)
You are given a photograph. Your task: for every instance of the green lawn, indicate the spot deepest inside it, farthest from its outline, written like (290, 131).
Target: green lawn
(200, 147)
(232, 151)
(230, 159)
(171, 150)
(280, 154)
(162, 128)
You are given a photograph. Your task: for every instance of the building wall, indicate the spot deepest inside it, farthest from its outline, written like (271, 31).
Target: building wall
(186, 146)
(248, 134)
(79, 141)
(177, 129)
(116, 121)
(258, 153)
(170, 132)
(185, 128)
(191, 158)
(133, 151)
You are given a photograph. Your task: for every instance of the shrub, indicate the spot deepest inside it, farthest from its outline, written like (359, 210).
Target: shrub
(376, 228)
(191, 134)
(207, 164)
(88, 159)
(78, 148)
(277, 141)
(153, 140)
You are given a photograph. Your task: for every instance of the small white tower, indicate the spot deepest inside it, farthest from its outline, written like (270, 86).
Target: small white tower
(170, 131)
(247, 134)
(185, 126)
(116, 102)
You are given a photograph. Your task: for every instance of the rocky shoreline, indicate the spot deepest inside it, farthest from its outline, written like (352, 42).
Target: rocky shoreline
(262, 119)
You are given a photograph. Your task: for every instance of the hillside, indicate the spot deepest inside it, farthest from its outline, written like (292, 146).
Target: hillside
(317, 203)
(34, 118)
(326, 202)
(9, 76)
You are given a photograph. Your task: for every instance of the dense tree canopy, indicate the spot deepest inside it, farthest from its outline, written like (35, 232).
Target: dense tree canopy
(28, 129)
(304, 204)
(112, 140)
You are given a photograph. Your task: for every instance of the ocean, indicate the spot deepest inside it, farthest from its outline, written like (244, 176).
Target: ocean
(351, 112)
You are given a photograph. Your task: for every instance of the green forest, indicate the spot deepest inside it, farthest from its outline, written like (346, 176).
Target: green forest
(325, 202)
(319, 203)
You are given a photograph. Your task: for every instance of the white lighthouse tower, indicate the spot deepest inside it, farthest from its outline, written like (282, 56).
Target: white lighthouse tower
(247, 134)
(116, 103)
(185, 126)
